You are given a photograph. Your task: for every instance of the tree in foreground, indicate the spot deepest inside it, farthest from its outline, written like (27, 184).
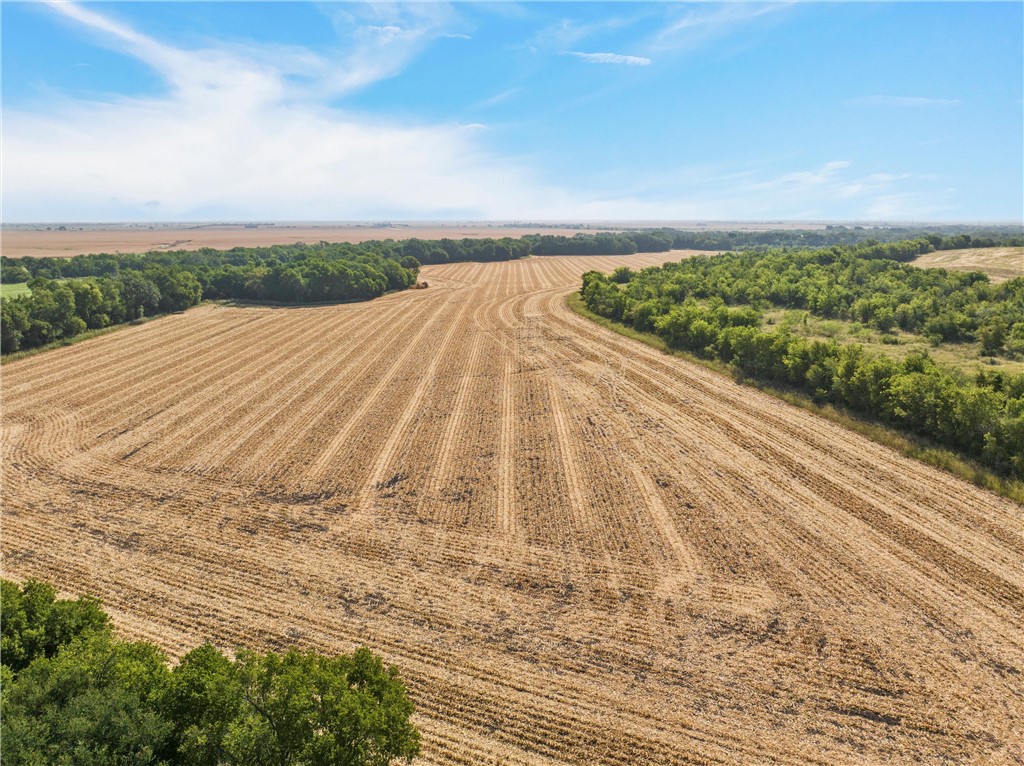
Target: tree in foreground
(36, 624)
(72, 694)
(292, 708)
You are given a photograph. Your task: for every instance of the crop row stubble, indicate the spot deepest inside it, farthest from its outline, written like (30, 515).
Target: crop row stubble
(579, 550)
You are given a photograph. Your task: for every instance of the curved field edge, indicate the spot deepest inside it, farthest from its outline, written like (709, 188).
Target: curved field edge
(1000, 263)
(907, 445)
(578, 549)
(16, 356)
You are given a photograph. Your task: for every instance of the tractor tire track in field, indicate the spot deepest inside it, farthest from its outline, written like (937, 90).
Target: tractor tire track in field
(577, 549)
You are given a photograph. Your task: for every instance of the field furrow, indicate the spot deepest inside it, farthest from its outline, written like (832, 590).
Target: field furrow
(577, 549)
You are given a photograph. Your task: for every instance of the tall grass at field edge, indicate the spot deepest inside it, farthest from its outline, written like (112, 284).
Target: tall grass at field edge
(908, 445)
(14, 289)
(82, 336)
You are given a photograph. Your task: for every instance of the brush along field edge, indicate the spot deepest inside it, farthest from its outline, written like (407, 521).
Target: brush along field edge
(577, 548)
(906, 444)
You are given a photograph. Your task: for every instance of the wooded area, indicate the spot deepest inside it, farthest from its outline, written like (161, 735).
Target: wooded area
(87, 292)
(73, 693)
(713, 307)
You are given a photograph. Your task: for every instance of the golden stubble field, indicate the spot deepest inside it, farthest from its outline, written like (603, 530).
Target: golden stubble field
(47, 240)
(577, 549)
(1000, 263)
(40, 242)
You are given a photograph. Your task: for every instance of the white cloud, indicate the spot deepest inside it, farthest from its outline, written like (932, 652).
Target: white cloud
(234, 137)
(243, 161)
(830, 191)
(498, 98)
(910, 205)
(566, 32)
(804, 179)
(694, 25)
(387, 30)
(610, 58)
(246, 132)
(885, 178)
(901, 101)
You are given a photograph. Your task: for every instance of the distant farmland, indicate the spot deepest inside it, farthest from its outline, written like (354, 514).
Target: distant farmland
(56, 243)
(577, 549)
(1000, 263)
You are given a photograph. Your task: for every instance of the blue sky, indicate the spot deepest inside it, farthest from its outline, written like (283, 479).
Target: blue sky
(498, 110)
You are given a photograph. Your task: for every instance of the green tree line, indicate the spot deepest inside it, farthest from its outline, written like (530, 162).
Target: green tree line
(429, 251)
(59, 309)
(73, 694)
(88, 292)
(71, 295)
(941, 237)
(713, 307)
(600, 244)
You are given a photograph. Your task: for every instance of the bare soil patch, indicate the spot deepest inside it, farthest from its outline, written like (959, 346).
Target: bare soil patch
(578, 549)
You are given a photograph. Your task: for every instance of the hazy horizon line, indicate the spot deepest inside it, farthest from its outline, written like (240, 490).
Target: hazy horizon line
(564, 222)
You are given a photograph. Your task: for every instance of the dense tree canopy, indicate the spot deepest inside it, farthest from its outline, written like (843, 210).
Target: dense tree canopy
(940, 237)
(712, 306)
(70, 295)
(74, 694)
(36, 624)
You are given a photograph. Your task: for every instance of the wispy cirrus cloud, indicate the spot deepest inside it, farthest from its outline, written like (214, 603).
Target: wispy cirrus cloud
(381, 39)
(610, 58)
(821, 192)
(804, 179)
(830, 191)
(910, 205)
(498, 98)
(566, 33)
(901, 101)
(691, 26)
(245, 133)
(378, 42)
(255, 131)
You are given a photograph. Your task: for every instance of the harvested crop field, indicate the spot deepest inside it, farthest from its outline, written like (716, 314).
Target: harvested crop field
(1000, 263)
(40, 242)
(577, 549)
